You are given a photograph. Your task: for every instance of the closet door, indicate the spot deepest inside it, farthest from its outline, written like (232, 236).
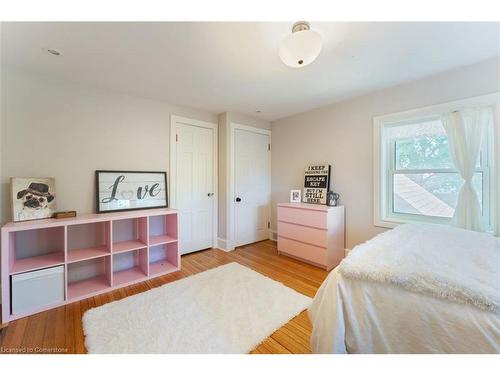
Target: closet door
(195, 186)
(252, 186)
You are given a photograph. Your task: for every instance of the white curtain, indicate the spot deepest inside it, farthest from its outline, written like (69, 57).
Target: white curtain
(465, 130)
(496, 169)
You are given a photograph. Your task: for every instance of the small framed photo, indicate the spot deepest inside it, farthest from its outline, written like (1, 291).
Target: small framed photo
(32, 198)
(295, 196)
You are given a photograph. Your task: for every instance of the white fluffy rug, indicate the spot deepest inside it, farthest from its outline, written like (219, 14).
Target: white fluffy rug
(228, 309)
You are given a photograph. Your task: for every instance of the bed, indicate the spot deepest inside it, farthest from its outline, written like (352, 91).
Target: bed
(414, 289)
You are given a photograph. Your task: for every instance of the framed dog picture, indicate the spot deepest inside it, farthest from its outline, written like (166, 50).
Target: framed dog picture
(33, 198)
(130, 190)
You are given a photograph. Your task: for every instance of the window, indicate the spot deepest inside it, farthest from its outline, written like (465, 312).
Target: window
(415, 179)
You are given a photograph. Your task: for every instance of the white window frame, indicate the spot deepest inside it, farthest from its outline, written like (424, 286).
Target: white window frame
(382, 179)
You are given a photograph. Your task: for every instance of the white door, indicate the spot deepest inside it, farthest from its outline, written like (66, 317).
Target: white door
(252, 186)
(195, 186)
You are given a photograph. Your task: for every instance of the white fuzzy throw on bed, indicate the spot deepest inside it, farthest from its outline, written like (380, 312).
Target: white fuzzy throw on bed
(441, 261)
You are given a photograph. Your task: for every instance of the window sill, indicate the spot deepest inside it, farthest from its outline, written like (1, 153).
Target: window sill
(386, 224)
(392, 222)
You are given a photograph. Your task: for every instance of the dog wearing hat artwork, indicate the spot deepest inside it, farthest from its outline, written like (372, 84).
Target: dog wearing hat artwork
(33, 198)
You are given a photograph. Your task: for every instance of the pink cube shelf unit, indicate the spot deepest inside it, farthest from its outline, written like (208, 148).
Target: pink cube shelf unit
(99, 252)
(313, 233)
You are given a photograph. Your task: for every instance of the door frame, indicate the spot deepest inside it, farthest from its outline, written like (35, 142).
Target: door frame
(174, 120)
(230, 207)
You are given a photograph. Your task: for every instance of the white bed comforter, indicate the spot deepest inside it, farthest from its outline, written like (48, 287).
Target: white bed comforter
(415, 289)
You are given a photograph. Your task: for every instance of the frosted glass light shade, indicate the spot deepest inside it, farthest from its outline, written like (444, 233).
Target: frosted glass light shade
(300, 48)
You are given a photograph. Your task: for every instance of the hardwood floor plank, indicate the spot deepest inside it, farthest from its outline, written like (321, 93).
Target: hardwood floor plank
(2, 333)
(303, 319)
(34, 332)
(299, 328)
(282, 267)
(295, 337)
(69, 335)
(50, 334)
(14, 334)
(77, 328)
(290, 342)
(275, 347)
(269, 252)
(59, 330)
(62, 327)
(261, 349)
(301, 287)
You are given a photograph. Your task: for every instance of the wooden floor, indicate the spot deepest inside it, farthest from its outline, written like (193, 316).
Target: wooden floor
(60, 330)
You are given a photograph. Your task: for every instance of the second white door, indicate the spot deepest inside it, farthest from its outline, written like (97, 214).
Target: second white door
(195, 186)
(252, 186)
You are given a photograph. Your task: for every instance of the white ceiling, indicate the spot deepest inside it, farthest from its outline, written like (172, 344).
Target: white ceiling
(222, 66)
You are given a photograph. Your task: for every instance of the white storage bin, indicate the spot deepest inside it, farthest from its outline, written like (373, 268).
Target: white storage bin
(36, 289)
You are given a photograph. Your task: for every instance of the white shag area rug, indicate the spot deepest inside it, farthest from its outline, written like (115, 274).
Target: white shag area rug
(228, 309)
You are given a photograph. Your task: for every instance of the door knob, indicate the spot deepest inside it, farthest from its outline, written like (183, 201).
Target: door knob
(210, 194)
(238, 199)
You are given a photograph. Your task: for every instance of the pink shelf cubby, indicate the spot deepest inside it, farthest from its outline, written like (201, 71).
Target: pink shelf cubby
(29, 250)
(162, 229)
(130, 234)
(88, 241)
(99, 252)
(130, 266)
(163, 258)
(87, 277)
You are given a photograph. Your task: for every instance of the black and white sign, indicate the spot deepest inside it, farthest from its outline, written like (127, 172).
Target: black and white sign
(316, 183)
(130, 190)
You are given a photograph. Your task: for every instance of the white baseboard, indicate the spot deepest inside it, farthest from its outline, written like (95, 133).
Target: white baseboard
(224, 244)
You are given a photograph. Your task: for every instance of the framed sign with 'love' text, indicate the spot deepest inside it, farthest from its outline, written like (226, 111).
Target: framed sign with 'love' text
(130, 190)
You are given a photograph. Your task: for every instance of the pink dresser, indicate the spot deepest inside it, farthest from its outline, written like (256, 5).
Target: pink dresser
(312, 233)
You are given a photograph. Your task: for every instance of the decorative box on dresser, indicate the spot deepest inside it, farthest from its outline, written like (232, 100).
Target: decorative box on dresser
(312, 233)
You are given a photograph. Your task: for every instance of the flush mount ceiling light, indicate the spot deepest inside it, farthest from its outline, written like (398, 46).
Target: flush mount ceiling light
(301, 47)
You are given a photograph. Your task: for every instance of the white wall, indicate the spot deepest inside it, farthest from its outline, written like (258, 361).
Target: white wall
(341, 134)
(67, 131)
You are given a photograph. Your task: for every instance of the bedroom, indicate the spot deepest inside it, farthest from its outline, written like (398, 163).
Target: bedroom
(250, 187)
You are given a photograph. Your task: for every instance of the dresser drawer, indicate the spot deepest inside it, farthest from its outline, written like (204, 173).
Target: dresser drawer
(313, 236)
(312, 218)
(311, 253)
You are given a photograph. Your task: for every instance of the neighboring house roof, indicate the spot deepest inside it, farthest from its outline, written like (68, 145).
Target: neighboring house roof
(420, 199)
